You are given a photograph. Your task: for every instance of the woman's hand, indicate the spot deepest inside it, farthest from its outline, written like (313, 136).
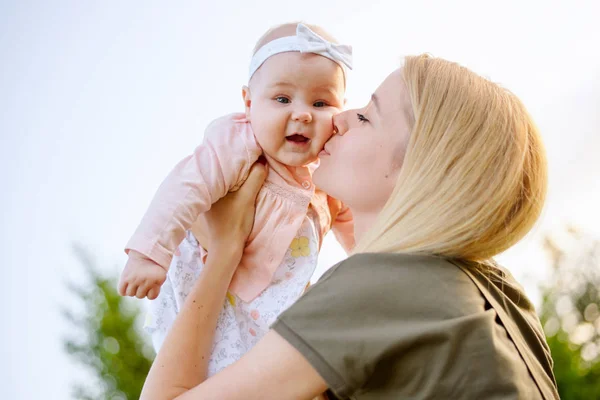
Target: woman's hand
(227, 225)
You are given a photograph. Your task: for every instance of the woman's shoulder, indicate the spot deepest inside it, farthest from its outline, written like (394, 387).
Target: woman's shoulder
(422, 266)
(410, 282)
(367, 310)
(393, 260)
(438, 309)
(400, 270)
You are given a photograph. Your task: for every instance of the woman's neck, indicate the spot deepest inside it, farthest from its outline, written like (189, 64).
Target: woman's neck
(363, 221)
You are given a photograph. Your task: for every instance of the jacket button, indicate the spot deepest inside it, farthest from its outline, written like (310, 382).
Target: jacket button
(306, 185)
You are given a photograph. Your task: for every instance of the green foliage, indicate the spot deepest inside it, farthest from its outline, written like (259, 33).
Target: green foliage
(570, 314)
(105, 339)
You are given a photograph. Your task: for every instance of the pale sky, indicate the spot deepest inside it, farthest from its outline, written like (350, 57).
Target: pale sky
(98, 100)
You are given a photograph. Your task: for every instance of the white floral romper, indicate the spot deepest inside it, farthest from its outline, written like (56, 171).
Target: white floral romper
(240, 325)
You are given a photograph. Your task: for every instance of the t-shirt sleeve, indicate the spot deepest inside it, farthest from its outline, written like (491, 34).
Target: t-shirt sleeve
(347, 322)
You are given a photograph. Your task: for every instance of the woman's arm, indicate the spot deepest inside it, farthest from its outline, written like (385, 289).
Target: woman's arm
(182, 361)
(272, 370)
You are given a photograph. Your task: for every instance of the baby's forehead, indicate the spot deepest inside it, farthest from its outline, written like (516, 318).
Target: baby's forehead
(301, 71)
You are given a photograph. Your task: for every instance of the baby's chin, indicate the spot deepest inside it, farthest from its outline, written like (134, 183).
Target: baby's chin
(296, 159)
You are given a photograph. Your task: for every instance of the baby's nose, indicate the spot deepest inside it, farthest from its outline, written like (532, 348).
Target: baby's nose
(302, 116)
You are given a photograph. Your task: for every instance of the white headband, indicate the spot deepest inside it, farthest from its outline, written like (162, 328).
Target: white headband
(305, 41)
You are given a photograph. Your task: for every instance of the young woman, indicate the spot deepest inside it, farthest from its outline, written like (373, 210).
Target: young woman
(442, 170)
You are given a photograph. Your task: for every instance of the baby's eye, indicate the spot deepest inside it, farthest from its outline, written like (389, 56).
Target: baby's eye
(282, 100)
(320, 104)
(362, 118)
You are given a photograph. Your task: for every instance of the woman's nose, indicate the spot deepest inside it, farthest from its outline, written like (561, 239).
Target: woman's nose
(302, 116)
(340, 124)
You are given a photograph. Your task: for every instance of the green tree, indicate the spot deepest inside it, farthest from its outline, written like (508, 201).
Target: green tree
(570, 314)
(105, 338)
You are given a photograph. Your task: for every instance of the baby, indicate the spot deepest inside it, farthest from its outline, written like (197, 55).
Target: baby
(296, 84)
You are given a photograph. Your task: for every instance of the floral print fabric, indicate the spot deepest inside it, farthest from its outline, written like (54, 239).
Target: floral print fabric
(240, 325)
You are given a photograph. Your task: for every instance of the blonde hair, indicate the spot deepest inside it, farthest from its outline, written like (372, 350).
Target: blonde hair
(474, 177)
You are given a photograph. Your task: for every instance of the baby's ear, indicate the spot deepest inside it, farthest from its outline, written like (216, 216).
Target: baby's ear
(247, 100)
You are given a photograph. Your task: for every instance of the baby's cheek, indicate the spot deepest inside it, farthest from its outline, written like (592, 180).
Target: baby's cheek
(325, 128)
(266, 139)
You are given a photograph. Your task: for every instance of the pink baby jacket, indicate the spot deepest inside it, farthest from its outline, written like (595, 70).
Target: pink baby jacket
(219, 165)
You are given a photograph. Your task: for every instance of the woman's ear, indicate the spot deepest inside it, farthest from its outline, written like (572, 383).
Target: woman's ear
(247, 101)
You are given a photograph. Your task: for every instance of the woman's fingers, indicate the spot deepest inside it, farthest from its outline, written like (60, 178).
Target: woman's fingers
(231, 218)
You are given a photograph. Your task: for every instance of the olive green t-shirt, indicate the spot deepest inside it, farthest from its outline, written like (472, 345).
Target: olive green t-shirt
(391, 326)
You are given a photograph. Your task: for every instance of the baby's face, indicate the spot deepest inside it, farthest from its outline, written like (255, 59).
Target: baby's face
(290, 104)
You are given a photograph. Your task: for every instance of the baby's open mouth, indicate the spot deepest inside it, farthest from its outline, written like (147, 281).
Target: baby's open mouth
(297, 138)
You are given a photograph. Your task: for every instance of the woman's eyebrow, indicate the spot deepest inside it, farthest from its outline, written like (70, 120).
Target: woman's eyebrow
(375, 101)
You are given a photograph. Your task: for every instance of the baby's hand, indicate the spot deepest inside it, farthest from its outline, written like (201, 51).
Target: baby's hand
(141, 277)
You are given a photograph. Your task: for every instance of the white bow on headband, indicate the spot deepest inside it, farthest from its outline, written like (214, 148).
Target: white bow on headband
(305, 41)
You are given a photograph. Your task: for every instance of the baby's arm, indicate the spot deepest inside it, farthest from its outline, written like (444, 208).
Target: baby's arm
(342, 223)
(216, 167)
